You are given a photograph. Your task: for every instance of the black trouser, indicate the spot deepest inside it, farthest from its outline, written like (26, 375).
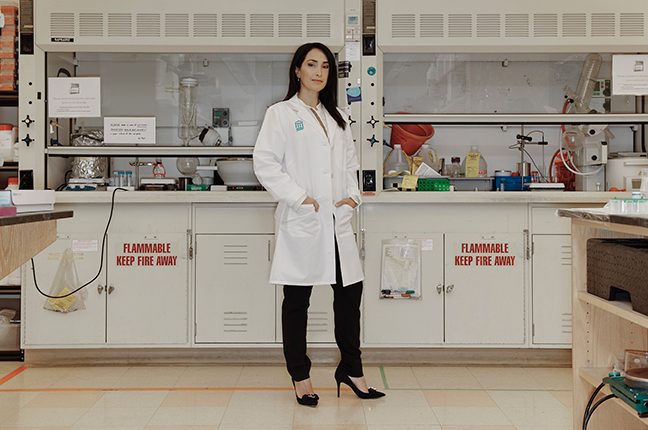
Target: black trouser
(294, 318)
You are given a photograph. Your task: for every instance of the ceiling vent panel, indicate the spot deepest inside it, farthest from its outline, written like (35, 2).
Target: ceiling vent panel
(574, 25)
(431, 25)
(233, 25)
(261, 25)
(176, 25)
(290, 25)
(545, 25)
(460, 25)
(632, 25)
(318, 25)
(120, 25)
(205, 25)
(488, 25)
(603, 24)
(91, 24)
(403, 25)
(147, 25)
(62, 24)
(516, 25)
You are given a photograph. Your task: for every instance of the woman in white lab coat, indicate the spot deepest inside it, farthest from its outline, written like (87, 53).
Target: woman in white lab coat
(305, 157)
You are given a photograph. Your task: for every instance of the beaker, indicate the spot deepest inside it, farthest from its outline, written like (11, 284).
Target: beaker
(187, 110)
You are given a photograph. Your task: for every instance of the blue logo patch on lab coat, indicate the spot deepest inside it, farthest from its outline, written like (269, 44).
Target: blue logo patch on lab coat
(299, 125)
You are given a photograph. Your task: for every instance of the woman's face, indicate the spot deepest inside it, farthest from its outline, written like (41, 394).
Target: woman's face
(313, 73)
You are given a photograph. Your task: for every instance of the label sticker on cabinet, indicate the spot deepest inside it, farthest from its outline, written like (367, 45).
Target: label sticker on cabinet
(85, 245)
(427, 245)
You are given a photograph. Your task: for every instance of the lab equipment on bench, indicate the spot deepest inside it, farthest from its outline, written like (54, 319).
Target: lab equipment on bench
(588, 143)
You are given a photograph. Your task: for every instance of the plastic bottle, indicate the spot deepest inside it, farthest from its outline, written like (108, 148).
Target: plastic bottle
(158, 170)
(396, 163)
(429, 157)
(129, 179)
(474, 165)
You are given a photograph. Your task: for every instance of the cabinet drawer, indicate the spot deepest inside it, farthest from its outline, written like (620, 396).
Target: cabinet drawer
(240, 218)
(545, 221)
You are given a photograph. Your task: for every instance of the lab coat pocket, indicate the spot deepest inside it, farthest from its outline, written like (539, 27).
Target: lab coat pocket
(343, 216)
(303, 222)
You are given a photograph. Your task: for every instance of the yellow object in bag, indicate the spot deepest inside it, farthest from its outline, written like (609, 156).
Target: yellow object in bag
(64, 304)
(65, 281)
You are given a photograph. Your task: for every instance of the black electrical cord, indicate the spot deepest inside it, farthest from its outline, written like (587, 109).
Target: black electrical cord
(596, 405)
(103, 246)
(589, 403)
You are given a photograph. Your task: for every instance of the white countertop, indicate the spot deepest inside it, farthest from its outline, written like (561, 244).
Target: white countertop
(75, 197)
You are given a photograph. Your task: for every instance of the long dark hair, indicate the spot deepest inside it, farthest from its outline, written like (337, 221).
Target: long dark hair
(328, 95)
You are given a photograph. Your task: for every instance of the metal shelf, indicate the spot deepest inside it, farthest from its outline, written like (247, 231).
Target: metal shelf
(148, 151)
(503, 119)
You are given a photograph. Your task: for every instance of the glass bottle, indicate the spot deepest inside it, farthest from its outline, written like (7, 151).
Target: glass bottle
(396, 163)
(453, 169)
(158, 170)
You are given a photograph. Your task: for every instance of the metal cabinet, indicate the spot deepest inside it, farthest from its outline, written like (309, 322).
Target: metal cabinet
(136, 300)
(551, 274)
(396, 321)
(146, 289)
(471, 293)
(83, 327)
(321, 321)
(484, 286)
(234, 301)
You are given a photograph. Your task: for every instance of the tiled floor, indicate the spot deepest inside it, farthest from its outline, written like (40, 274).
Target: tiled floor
(247, 397)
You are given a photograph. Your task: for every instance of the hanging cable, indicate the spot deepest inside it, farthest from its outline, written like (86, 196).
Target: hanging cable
(596, 405)
(101, 261)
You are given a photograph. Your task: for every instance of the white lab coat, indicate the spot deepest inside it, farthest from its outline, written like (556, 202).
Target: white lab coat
(293, 159)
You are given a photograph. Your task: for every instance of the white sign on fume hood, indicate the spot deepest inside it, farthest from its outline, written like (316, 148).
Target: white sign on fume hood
(74, 97)
(129, 130)
(630, 75)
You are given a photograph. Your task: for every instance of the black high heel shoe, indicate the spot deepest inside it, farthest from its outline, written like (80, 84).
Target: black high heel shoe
(341, 377)
(307, 399)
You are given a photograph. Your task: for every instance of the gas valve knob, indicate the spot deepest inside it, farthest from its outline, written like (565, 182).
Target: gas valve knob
(27, 140)
(373, 140)
(373, 121)
(28, 121)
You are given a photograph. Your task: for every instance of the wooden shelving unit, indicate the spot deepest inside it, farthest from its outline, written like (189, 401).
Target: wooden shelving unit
(602, 331)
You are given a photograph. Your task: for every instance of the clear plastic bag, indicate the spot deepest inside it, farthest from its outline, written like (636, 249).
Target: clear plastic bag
(65, 281)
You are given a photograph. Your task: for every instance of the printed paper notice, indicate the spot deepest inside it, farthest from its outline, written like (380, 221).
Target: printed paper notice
(630, 75)
(129, 130)
(74, 97)
(85, 245)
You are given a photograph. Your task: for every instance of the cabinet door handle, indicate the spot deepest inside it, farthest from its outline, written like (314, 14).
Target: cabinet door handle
(110, 289)
(100, 288)
(439, 288)
(450, 288)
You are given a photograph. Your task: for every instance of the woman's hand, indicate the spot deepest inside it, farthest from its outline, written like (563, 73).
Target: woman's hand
(348, 201)
(311, 201)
